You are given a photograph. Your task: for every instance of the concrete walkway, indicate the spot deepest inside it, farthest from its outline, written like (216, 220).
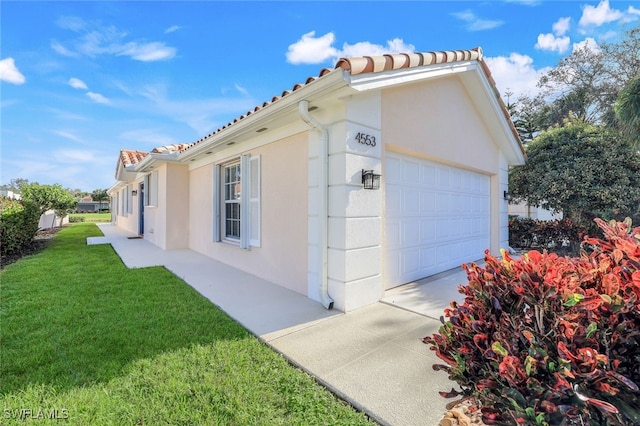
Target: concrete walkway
(372, 357)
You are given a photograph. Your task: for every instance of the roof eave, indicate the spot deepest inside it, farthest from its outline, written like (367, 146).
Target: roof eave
(369, 81)
(330, 82)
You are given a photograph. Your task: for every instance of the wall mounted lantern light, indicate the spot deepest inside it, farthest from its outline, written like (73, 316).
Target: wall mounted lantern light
(134, 193)
(370, 180)
(507, 196)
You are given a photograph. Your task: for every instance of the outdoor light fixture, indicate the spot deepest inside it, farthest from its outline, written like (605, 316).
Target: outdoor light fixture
(370, 180)
(507, 196)
(134, 193)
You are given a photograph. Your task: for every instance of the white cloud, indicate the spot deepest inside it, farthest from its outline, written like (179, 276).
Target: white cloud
(96, 39)
(202, 115)
(241, 89)
(313, 50)
(76, 83)
(66, 115)
(73, 156)
(552, 43)
(10, 73)
(589, 43)
(98, 98)
(68, 135)
(475, 23)
(397, 45)
(599, 15)
(72, 23)
(561, 26)
(515, 73)
(67, 167)
(172, 29)
(633, 11)
(147, 52)
(62, 50)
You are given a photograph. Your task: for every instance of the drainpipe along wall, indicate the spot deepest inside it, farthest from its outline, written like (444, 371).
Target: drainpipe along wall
(323, 183)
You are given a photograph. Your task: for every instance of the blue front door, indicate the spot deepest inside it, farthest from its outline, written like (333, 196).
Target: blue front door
(141, 218)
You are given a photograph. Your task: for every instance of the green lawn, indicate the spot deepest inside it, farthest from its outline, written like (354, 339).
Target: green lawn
(90, 217)
(88, 340)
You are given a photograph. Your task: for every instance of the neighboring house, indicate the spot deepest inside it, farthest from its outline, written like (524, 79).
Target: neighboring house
(91, 206)
(10, 194)
(279, 191)
(524, 210)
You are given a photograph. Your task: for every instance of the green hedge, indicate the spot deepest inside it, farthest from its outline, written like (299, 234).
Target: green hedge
(18, 224)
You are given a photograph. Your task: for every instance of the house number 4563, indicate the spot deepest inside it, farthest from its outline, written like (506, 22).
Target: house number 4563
(365, 139)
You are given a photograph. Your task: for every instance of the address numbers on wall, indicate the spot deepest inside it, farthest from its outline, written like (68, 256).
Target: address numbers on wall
(365, 139)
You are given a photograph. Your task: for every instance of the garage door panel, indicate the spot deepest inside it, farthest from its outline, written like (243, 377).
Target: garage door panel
(411, 202)
(393, 170)
(411, 232)
(394, 202)
(411, 171)
(428, 175)
(427, 231)
(427, 203)
(410, 261)
(393, 237)
(436, 218)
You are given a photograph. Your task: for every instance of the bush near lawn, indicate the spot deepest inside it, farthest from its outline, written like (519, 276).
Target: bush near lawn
(92, 342)
(18, 224)
(549, 340)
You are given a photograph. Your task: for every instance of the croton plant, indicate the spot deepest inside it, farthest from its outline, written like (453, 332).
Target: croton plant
(550, 340)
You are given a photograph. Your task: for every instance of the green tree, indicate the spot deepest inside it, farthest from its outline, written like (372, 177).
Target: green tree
(529, 117)
(49, 197)
(627, 109)
(15, 185)
(99, 195)
(587, 82)
(581, 170)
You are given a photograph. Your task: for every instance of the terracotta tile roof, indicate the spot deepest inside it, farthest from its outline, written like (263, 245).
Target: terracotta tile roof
(129, 157)
(388, 62)
(170, 148)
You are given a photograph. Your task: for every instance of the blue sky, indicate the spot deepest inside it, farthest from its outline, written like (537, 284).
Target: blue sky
(82, 79)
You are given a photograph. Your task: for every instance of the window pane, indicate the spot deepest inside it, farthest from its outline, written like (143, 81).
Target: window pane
(232, 187)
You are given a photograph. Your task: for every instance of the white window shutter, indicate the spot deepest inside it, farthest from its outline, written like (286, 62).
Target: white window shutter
(216, 202)
(245, 224)
(254, 201)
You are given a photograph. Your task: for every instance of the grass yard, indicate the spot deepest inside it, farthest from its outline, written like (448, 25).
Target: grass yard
(90, 217)
(87, 340)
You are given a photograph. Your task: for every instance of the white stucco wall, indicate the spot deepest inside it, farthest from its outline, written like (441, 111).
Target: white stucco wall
(355, 214)
(437, 120)
(174, 183)
(282, 256)
(127, 221)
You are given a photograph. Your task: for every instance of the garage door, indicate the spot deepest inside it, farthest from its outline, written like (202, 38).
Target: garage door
(436, 218)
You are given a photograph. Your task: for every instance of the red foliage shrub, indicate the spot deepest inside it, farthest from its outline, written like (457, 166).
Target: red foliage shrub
(550, 340)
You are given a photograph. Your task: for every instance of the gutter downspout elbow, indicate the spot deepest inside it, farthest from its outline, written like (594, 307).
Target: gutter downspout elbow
(323, 184)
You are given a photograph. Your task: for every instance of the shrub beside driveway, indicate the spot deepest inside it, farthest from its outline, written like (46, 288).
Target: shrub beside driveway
(88, 340)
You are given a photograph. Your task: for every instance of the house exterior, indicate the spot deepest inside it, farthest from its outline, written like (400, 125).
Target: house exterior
(524, 210)
(279, 191)
(85, 206)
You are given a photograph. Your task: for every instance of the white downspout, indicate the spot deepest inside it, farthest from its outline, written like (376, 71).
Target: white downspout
(323, 184)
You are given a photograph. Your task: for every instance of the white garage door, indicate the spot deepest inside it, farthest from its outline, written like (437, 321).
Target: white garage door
(436, 218)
